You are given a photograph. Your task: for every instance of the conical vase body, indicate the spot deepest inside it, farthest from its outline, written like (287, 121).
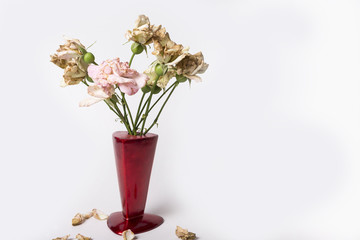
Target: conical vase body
(134, 156)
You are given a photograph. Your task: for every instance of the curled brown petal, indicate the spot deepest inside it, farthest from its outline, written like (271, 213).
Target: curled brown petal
(184, 234)
(81, 237)
(62, 238)
(81, 218)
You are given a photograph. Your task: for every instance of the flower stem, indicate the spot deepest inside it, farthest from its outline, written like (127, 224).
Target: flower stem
(137, 114)
(162, 107)
(121, 116)
(142, 109)
(172, 85)
(128, 109)
(162, 96)
(131, 59)
(148, 105)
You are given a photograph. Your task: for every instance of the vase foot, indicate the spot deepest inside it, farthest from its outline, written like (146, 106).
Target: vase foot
(118, 223)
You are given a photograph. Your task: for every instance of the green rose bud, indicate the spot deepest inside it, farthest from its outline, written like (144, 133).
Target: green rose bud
(145, 89)
(89, 57)
(181, 78)
(137, 48)
(160, 69)
(156, 90)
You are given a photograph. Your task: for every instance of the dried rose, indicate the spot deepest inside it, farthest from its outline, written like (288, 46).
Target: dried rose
(167, 51)
(69, 57)
(81, 237)
(128, 235)
(143, 31)
(62, 238)
(191, 65)
(184, 234)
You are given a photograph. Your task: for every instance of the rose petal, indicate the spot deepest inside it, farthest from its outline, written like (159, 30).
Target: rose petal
(87, 102)
(93, 70)
(99, 215)
(141, 80)
(128, 88)
(98, 92)
(196, 78)
(128, 235)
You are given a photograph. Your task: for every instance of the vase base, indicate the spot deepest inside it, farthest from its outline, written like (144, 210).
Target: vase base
(118, 223)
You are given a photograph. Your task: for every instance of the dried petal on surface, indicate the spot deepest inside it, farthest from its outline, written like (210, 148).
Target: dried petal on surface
(82, 237)
(128, 235)
(81, 218)
(184, 234)
(62, 238)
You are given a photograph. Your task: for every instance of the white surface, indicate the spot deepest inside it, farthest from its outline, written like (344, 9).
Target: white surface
(267, 147)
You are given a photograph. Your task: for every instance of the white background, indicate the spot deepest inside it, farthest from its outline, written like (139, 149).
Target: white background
(266, 147)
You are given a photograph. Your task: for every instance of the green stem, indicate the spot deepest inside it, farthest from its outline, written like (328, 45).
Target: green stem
(142, 109)
(117, 111)
(162, 96)
(124, 107)
(137, 113)
(128, 109)
(131, 59)
(162, 107)
(148, 105)
(156, 102)
(122, 117)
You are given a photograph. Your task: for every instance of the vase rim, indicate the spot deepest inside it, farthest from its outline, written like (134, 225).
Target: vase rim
(126, 136)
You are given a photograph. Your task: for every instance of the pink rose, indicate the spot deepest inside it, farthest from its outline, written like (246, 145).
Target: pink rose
(113, 72)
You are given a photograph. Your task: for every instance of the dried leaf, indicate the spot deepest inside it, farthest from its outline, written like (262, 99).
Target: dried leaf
(184, 234)
(81, 218)
(128, 235)
(62, 238)
(81, 237)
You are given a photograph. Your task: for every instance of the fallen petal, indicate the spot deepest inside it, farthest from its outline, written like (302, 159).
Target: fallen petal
(80, 218)
(128, 235)
(184, 234)
(99, 215)
(81, 237)
(62, 238)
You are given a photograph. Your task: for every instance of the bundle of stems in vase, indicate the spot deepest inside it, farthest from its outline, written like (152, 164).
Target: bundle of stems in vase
(112, 80)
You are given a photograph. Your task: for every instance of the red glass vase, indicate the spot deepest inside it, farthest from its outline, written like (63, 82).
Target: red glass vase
(134, 157)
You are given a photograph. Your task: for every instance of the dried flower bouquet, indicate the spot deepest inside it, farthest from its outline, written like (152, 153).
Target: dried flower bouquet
(112, 80)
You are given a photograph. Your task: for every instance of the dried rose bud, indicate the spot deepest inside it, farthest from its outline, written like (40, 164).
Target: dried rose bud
(184, 234)
(81, 237)
(62, 238)
(128, 235)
